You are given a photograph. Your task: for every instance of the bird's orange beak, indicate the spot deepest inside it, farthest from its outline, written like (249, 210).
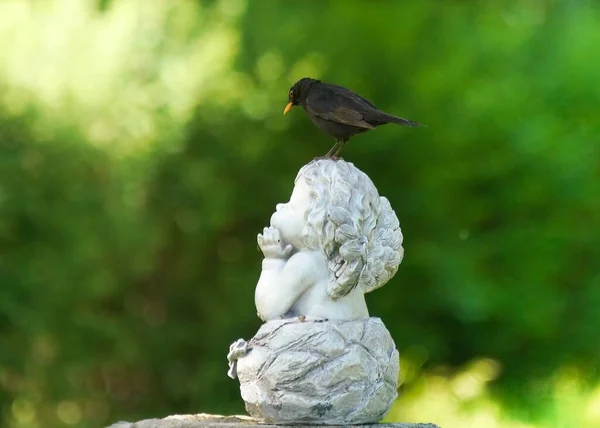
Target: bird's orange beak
(288, 107)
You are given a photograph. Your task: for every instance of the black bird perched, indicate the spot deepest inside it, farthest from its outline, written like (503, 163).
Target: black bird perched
(338, 111)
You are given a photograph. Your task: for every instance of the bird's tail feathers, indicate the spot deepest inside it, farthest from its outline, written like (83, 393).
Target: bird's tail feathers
(402, 121)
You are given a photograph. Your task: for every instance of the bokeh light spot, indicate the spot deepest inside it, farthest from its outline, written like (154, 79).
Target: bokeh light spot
(69, 412)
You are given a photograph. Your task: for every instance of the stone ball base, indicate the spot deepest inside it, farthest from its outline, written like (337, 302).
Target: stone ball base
(319, 372)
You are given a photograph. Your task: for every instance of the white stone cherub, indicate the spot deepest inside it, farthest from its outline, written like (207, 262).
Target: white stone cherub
(335, 240)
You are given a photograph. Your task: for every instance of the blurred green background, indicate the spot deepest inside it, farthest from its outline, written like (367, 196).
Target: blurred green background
(143, 147)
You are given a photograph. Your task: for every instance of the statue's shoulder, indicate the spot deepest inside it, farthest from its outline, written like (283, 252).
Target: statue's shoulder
(308, 260)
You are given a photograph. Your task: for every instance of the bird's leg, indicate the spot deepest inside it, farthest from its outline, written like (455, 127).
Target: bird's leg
(332, 150)
(339, 150)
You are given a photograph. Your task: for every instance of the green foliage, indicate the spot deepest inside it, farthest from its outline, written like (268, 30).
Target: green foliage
(128, 222)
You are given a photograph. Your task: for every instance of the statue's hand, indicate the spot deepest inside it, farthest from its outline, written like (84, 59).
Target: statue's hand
(271, 245)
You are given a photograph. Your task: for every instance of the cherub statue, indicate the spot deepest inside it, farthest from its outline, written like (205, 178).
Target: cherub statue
(335, 240)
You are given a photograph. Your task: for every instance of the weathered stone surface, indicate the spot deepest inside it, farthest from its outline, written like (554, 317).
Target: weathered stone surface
(217, 421)
(316, 371)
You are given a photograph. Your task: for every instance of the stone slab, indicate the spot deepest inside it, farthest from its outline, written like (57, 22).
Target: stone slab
(204, 420)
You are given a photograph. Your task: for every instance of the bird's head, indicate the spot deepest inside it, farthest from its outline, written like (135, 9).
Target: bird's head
(298, 92)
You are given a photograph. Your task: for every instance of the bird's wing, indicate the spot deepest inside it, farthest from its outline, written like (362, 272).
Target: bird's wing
(339, 105)
(346, 116)
(354, 95)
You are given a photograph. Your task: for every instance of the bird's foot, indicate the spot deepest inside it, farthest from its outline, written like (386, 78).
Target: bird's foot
(333, 158)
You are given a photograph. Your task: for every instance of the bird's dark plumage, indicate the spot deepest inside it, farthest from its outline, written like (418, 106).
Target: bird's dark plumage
(338, 111)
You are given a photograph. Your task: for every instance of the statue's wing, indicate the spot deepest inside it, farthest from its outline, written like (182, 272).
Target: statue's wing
(348, 279)
(386, 252)
(347, 261)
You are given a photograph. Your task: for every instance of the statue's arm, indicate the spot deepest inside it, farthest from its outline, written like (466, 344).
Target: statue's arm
(281, 283)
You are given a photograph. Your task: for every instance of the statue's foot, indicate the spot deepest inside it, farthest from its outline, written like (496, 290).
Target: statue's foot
(238, 349)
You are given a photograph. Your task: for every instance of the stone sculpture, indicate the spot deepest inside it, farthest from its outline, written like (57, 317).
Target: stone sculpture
(319, 357)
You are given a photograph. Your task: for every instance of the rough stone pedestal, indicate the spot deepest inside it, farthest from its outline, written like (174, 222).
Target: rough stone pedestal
(319, 372)
(204, 420)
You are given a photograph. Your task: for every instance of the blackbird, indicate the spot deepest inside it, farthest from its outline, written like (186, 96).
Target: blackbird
(338, 111)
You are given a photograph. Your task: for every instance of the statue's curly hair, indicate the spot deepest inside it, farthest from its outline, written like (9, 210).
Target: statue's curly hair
(356, 228)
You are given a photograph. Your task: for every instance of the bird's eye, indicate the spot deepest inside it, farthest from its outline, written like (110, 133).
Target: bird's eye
(291, 94)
